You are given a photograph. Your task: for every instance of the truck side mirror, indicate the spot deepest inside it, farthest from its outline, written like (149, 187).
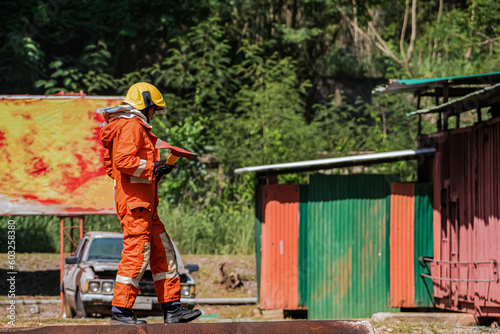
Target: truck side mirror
(192, 267)
(71, 260)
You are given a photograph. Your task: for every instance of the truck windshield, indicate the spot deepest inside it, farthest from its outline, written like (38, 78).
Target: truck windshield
(106, 250)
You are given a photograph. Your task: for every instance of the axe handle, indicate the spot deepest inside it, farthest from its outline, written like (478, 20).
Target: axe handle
(172, 159)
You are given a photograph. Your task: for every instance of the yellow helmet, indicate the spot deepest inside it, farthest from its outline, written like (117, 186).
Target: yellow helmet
(143, 95)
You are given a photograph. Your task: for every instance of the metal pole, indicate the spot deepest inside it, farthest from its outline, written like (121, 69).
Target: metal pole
(81, 227)
(72, 246)
(419, 124)
(62, 263)
(446, 113)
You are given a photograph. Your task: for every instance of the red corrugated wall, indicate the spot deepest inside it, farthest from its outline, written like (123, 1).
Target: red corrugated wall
(465, 173)
(280, 247)
(487, 215)
(402, 248)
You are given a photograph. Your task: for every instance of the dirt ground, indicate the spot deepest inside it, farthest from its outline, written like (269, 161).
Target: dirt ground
(38, 279)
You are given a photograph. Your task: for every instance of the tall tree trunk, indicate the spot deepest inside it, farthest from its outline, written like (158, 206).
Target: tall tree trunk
(413, 32)
(355, 12)
(289, 15)
(294, 13)
(403, 32)
(440, 13)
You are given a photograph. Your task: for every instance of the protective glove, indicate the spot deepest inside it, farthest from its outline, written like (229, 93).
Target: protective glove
(161, 169)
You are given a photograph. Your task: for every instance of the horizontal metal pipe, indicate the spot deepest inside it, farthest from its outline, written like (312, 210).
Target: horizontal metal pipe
(457, 279)
(427, 259)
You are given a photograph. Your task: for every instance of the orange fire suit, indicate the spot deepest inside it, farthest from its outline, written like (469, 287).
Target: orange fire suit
(131, 150)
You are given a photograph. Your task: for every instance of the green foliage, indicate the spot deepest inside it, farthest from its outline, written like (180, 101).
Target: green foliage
(267, 125)
(197, 72)
(88, 74)
(214, 230)
(187, 182)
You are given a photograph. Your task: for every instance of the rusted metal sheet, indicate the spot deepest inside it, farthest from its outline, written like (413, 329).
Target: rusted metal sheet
(466, 219)
(280, 247)
(269, 327)
(410, 239)
(402, 245)
(348, 246)
(303, 259)
(487, 217)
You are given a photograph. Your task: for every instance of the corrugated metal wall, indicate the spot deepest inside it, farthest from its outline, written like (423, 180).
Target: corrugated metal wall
(466, 215)
(402, 247)
(348, 246)
(258, 236)
(423, 244)
(303, 266)
(411, 239)
(280, 247)
(487, 215)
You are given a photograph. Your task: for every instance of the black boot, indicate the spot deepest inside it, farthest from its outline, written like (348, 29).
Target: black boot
(180, 314)
(126, 319)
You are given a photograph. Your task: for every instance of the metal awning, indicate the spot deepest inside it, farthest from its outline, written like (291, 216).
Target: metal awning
(481, 98)
(356, 160)
(424, 84)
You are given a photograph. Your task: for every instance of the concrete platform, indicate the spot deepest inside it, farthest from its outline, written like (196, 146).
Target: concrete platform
(271, 327)
(452, 319)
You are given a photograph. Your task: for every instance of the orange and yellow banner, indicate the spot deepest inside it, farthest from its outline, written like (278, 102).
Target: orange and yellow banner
(51, 157)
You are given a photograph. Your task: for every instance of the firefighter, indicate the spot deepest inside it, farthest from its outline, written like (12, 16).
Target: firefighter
(132, 160)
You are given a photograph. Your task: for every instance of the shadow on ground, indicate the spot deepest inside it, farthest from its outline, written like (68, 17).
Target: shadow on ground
(31, 283)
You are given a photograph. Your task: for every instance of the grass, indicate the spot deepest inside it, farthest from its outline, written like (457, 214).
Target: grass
(209, 231)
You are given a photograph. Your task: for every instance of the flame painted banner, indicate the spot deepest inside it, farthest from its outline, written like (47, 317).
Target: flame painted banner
(51, 157)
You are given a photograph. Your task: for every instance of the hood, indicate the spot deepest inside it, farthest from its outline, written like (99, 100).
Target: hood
(109, 131)
(112, 116)
(105, 266)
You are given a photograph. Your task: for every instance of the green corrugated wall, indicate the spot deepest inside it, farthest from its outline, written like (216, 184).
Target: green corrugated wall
(347, 245)
(258, 234)
(423, 243)
(303, 245)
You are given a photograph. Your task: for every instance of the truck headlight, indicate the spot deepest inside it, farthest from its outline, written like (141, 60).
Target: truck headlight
(186, 291)
(94, 287)
(107, 287)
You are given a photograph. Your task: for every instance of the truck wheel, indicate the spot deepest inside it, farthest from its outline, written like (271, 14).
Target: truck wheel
(80, 309)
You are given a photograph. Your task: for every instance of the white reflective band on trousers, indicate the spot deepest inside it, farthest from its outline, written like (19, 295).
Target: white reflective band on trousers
(145, 261)
(127, 280)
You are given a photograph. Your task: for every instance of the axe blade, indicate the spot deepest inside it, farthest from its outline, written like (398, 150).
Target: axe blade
(179, 152)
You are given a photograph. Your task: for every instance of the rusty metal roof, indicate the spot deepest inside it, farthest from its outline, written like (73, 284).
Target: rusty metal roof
(356, 160)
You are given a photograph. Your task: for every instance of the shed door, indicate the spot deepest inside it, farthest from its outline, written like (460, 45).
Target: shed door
(280, 247)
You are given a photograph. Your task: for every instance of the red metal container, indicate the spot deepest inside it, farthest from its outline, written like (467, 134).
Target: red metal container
(466, 219)
(279, 287)
(401, 240)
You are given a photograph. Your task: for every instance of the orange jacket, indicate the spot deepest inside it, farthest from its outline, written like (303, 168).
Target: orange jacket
(131, 150)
